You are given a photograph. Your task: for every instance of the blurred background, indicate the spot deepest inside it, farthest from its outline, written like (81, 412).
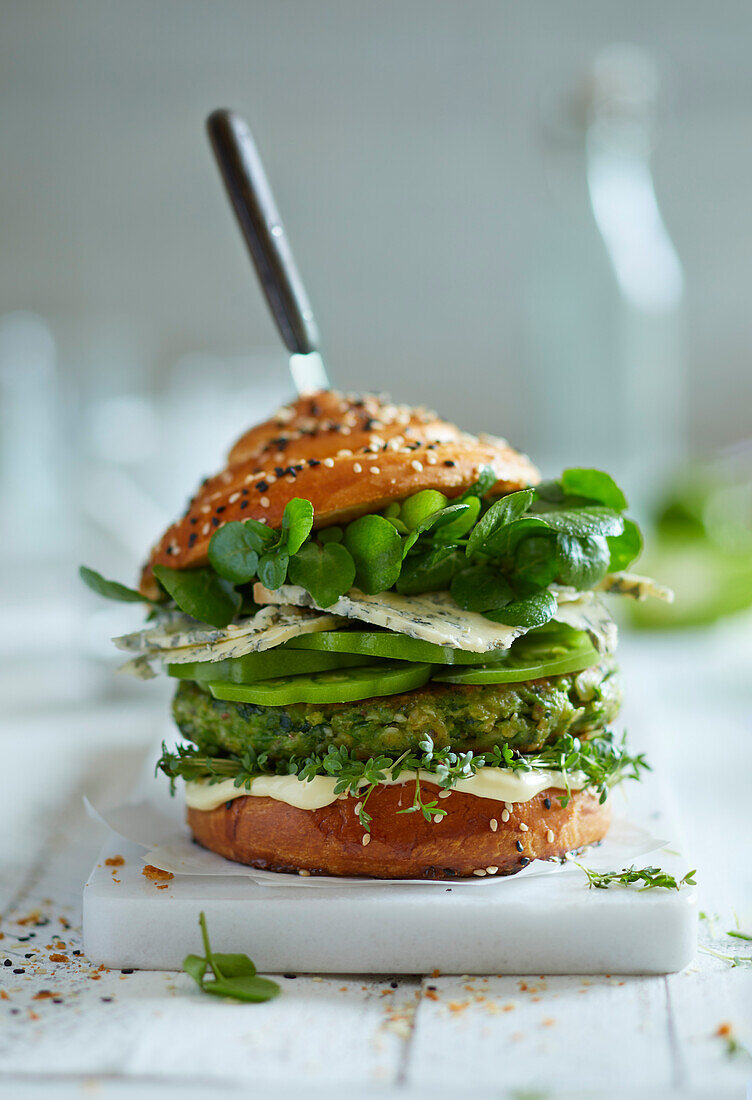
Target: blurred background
(533, 218)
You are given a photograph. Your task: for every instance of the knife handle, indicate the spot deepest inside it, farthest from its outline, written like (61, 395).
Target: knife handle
(253, 202)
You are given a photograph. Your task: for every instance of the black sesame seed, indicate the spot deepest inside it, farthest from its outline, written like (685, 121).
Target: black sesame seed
(262, 486)
(314, 462)
(315, 409)
(192, 539)
(15, 1011)
(129, 970)
(524, 861)
(518, 845)
(106, 1000)
(244, 504)
(75, 952)
(279, 471)
(57, 1000)
(7, 963)
(432, 988)
(220, 509)
(193, 520)
(215, 521)
(448, 462)
(245, 492)
(289, 976)
(394, 985)
(168, 550)
(18, 970)
(30, 955)
(547, 803)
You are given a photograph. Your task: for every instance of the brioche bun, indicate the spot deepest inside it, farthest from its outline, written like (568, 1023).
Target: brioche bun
(472, 837)
(348, 456)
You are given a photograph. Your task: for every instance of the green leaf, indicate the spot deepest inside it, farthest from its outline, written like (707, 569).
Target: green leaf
(297, 522)
(420, 506)
(200, 593)
(431, 572)
(535, 559)
(531, 611)
(581, 562)
(330, 534)
(112, 590)
(595, 485)
(272, 568)
(464, 521)
(253, 990)
(501, 513)
(626, 547)
(327, 571)
(195, 967)
(376, 549)
(440, 522)
(593, 519)
(234, 965)
(234, 551)
(486, 480)
(480, 588)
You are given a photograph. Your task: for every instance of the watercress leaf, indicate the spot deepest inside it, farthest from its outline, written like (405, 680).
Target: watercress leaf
(272, 568)
(431, 572)
(480, 588)
(330, 534)
(195, 967)
(594, 485)
(461, 523)
(626, 547)
(505, 539)
(486, 481)
(112, 590)
(327, 571)
(592, 519)
(297, 522)
(530, 611)
(581, 562)
(550, 491)
(438, 520)
(250, 989)
(535, 562)
(502, 512)
(376, 549)
(398, 525)
(234, 965)
(200, 593)
(234, 552)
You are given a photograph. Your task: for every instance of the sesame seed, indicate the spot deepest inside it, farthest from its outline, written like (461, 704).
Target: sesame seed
(547, 803)
(205, 529)
(233, 497)
(375, 470)
(344, 453)
(492, 870)
(431, 459)
(505, 815)
(494, 824)
(523, 827)
(448, 462)
(192, 539)
(262, 486)
(366, 839)
(480, 872)
(518, 845)
(357, 468)
(437, 818)
(509, 806)
(550, 835)
(264, 502)
(205, 508)
(345, 430)
(444, 794)
(244, 504)
(329, 462)
(304, 874)
(524, 861)
(416, 465)
(358, 808)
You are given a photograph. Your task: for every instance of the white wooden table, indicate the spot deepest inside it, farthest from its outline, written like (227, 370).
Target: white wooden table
(67, 1029)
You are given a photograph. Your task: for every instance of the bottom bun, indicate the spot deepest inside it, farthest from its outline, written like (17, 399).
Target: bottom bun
(470, 839)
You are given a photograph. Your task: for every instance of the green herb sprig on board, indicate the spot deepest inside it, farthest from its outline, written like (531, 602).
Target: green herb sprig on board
(651, 877)
(234, 975)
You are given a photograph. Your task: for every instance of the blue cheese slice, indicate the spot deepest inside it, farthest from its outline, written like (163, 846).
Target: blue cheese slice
(635, 586)
(269, 627)
(589, 614)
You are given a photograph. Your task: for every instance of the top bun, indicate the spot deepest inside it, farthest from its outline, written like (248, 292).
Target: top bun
(348, 455)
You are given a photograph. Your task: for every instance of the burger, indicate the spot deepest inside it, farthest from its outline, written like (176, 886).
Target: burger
(390, 651)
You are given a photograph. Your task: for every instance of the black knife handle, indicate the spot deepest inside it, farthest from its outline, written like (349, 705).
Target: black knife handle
(253, 202)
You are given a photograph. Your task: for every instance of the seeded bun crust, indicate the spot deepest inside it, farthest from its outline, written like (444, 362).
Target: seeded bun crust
(472, 837)
(348, 456)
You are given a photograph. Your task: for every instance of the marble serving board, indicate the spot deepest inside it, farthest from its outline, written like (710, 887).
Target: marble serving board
(536, 923)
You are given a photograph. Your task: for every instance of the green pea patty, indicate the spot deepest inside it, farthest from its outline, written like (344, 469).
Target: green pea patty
(524, 716)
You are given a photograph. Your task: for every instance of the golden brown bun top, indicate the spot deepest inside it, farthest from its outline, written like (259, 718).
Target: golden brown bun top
(348, 455)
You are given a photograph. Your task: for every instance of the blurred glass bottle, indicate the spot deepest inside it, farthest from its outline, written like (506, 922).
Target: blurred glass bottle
(605, 296)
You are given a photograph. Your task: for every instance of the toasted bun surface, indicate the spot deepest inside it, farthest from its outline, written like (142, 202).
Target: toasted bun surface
(271, 835)
(348, 456)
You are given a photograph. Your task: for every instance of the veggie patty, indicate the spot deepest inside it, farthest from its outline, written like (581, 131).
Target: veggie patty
(524, 716)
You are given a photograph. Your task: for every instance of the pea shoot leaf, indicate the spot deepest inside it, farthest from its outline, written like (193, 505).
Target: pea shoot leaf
(594, 485)
(530, 611)
(582, 562)
(272, 568)
(111, 590)
(234, 975)
(297, 521)
(502, 512)
(327, 571)
(376, 549)
(626, 547)
(481, 588)
(200, 593)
